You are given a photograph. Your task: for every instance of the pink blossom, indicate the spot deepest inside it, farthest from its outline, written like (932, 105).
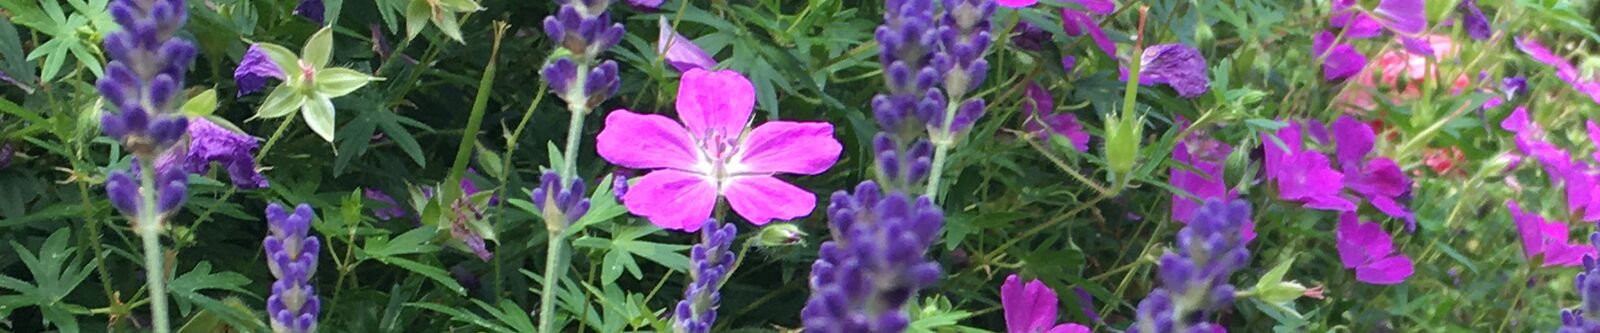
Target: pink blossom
(1304, 175)
(1365, 247)
(713, 153)
(1546, 238)
(1032, 308)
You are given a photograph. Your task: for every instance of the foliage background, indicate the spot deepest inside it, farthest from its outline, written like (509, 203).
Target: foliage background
(70, 262)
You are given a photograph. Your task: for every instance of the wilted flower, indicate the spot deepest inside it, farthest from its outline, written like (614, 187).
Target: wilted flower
(1032, 308)
(1041, 119)
(211, 143)
(711, 154)
(1194, 279)
(875, 262)
(711, 261)
(292, 257)
(1366, 248)
(681, 52)
(254, 69)
(1176, 65)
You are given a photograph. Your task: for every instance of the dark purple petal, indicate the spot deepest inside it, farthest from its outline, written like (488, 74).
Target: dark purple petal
(1176, 65)
(1338, 61)
(1472, 18)
(254, 69)
(311, 10)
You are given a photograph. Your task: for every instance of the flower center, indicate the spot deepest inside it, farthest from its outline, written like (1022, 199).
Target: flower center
(718, 150)
(308, 73)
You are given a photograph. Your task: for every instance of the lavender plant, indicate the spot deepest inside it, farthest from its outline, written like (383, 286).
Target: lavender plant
(711, 261)
(292, 253)
(1194, 278)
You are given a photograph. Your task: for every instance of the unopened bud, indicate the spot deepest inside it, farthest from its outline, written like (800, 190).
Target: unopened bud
(1122, 142)
(781, 234)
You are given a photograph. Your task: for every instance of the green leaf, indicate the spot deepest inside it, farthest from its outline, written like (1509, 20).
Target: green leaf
(318, 48)
(460, 6)
(411, 242)
(201, 105)
(335, 82)
(435, 273)
(318, 112)
(285, 99)
(463, 316)
(187, 289)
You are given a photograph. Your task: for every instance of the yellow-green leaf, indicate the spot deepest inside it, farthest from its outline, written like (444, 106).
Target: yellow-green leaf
(447, 24)
(201, 105)
(285, 59)
(283, 101)
(417, 14)
(335, 82)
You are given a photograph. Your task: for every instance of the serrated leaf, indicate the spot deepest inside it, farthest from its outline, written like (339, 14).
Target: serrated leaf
(319, 115)
(201, 105)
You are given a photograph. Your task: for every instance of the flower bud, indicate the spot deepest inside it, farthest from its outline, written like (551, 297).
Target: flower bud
(1282, 292)
(781, 234)
(1122, 142)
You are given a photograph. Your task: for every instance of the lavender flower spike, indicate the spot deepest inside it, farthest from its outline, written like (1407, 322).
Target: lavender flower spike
(1586, 317)
(963, 39)
(145, 75)
(875, 262)
(562, 204)
(584, 28)
(1194, 280)
(712, 261)
(292, 258)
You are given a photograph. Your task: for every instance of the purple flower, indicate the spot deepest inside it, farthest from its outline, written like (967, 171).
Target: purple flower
(254, 69)
(142, 82)
(1400, 16)
(710, 155)
(1369, 250)
(1067, 63)
(1029, 37)
(1417, 46)
(562, 203)
(1304, 175)
(1043, 121)
(1472, 18)
(875, 263)
(1338, 61)
(1513, 86)
(711, 261)
(1075, 22)
(583, 28)
(681, 52)
(1546, 238)
(1206, 156)
(1594, 138)
(963, 39)
(1586, 317)
(1176, 65)
(908, 38)
(1194, 279)
(311, 10)
(391, 210)
(1031, 308)
(6, 150)
(1016, 3)
(211, 143)
(172, 186)
(1564, 70)
(1379, 179)
(292, 257)
(646, 5)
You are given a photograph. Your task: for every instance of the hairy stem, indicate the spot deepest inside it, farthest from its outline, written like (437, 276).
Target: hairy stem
(555, 258)
(149, 230)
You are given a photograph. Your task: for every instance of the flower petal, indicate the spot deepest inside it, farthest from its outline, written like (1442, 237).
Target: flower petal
(645, 141)
(1029, 307)
(680, 52)
(790, 147)
(1402, 16)
(1075, 23)
(1386, 271)
(1102, 7)
(1176, 65)
(719, 102)
(762, 199)
(1069, 328)
(672, 199)
(1338, 61)
(1016, 3)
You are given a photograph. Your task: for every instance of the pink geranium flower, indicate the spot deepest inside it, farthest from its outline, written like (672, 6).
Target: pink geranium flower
(1304, 175)
(1378, 179)
(1031, 308)
(1546, 238)
(1369, 250)
(713, 153)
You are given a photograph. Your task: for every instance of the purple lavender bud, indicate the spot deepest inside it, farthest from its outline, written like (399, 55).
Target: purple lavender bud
(967, 115)
(875, 262)
(142, 81)
(561, 205)
(1472, 18)
(1209, 249)
(173, 184)
(560, 74)
(292, 258)
(168, 129)
(311, 10)
(619, 184)
(907, 38)
(601, 83)
(964, 38)
(710, 262)
(124, 192)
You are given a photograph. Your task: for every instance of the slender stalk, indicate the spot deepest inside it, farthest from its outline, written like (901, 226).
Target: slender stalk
(149, 229)
(579, 108)
(555, 258)
(942, 140)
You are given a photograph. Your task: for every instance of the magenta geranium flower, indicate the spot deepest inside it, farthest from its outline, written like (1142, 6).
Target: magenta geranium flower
(1564, 70)
(1339, 61)
(1546, 238)
(712, 153)
(1365, 247)
(1076, 23)
(1303, 175)
(1041, 119)
(1031, 308)
(1377, 179)
(1401, 16)
(1207, 156)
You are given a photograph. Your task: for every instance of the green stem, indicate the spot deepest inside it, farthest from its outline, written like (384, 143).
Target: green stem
(555, 258)
(579, 108)
(149, 229)
(942, 140)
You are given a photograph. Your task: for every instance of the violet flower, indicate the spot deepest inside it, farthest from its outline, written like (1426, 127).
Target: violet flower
(1207, 156)
(1041, 119)
(1366, 248)
(680, 52)
(1547, 239)
(391, 210)
(1400, 16)
(292, 257)
(1378, 179)
(172, 184)
(875, 263)
(1303, 175)
(585, 30)
(311, 10)
(713, 153)
(1016, 3)
(1339, 61)
(913, 99)
(254, 70)
(711, 261)
(1075, 22)
(1176, 65)
(1472, 18)
(234, 151)
(646, 5)
(1586, 317)
(1032, 308)
(1513, 86)
(142, 82)
(6, 150)
(563, 201)
(1194, 280)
